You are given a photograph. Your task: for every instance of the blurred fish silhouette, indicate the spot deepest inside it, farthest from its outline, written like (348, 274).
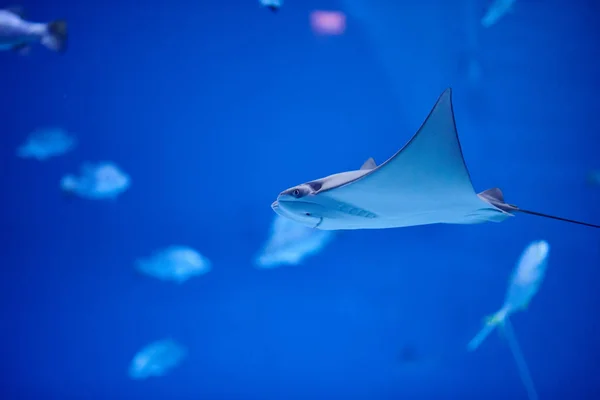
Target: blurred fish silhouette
(103, 180)
(290, 243)
(593, 177)
(156, 359)
(174, 263)
(426, 182)
(497, 10)
(327, 23)
(46, 143)
(408, 354)
(17, 34)
(524, 284)
(273, 5)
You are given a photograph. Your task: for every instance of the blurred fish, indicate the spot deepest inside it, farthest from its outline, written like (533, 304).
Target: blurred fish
(473, 70)
(328, 23)
(156, 359)
(408, 354)
(18, 34)
(273, 5)
(291, 242)
(425, 182)
(593, 177)
(45, 143)
(497, 10)
(524, 284)
(469, 63)
(174, 263)
(103, 180)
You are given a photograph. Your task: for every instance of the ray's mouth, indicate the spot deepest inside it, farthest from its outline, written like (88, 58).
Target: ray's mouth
(303, 218)
(318, 223)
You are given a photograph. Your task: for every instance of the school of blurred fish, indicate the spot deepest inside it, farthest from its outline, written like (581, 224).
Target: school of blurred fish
(288, 243)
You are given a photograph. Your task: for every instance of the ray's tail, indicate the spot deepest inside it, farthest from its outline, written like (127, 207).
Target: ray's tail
(519, 359)
(495, 197)
(557, 218)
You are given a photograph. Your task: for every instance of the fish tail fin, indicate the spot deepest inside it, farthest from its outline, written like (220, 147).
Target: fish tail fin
(56, 36)
(524, 373)
(490, 323)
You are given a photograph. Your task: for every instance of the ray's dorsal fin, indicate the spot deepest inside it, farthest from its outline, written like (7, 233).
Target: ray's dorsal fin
(369, 164)
(494, 193)
(495, 197)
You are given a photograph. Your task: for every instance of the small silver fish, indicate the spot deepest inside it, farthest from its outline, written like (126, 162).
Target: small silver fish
(17, 34)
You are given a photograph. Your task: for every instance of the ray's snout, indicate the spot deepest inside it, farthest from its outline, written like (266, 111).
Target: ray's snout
(296, 211)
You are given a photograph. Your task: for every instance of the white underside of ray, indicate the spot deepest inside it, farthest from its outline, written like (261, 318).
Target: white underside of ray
(426, 182)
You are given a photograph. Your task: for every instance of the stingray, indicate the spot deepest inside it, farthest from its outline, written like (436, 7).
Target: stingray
(426, 182)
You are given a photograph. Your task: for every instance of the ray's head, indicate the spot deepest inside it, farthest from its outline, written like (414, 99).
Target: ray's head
(299, 204)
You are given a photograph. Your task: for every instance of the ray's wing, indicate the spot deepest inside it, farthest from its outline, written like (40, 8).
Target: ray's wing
(428, 173)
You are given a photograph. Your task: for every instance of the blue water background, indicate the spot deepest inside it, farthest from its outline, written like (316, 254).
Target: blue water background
(215, 107)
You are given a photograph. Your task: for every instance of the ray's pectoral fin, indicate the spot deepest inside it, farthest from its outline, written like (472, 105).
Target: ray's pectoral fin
(495, 197)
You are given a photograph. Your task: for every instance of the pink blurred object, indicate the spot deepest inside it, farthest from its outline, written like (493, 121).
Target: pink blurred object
(328, 22)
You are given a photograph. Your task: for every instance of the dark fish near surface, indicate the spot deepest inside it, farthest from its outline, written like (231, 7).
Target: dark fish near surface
(273, 5)
(17, 34)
